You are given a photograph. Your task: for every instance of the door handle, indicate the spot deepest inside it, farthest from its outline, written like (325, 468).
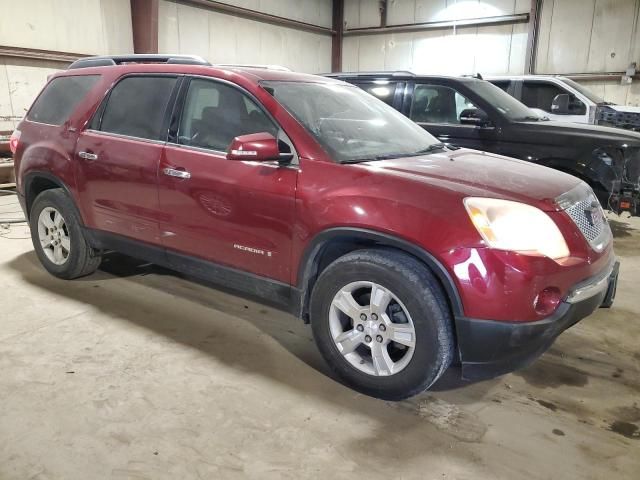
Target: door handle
(88, 155)
(172, 172)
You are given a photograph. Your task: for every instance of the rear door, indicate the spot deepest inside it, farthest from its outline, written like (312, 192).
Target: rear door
(437, 108)
(235, 213)
(117, 157)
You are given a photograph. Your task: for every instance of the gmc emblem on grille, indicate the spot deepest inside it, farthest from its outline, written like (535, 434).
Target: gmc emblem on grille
(593, 214)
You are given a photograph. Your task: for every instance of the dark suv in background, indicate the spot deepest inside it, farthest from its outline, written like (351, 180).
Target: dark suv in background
(472, 113)
(404, 254)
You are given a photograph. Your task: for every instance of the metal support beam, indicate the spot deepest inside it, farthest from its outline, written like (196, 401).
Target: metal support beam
(336, 41)
(383, 13)
(532, 36)
(144, 23)
(37, 54)
(445, 25)
(258, 16)
(597, 77)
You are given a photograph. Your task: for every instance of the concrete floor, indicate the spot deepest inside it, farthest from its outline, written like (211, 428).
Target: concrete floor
(134, 373)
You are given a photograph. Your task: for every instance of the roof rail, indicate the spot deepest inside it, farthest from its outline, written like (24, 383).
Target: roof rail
(110, 60)
(396, 73)
(249, 65)
(477, 76)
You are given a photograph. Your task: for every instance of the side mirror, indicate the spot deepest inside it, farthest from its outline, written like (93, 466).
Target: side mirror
(257, 147)
(560, 104)
(474, 116)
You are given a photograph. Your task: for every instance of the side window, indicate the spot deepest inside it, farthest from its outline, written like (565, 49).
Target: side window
(541, 95)
(136, 107)
(438, 104)
(60, 98)
(382, 90)
(215, 113)
(502, 84)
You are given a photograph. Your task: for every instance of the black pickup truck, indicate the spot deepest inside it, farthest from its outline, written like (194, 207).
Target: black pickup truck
(473, 113)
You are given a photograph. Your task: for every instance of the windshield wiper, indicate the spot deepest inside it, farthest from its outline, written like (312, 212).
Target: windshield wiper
(529, 118)
(431, 148)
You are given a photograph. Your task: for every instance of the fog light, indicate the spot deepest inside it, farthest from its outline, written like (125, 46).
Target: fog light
(547, 301)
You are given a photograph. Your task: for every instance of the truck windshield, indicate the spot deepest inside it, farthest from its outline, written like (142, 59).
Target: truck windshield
(583, 90)
(350, 124)
(503, 102)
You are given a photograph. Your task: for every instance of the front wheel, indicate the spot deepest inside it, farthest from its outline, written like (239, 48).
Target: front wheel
(381, 321)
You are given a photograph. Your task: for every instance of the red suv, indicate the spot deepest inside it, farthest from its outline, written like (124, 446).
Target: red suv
(404, 254)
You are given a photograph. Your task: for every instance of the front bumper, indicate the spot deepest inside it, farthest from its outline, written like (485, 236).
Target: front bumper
(489, 348)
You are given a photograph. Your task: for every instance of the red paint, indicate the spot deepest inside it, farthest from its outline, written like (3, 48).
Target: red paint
(257, 147)
(227, 205)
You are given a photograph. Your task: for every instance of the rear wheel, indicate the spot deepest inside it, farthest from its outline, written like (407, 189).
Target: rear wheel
(381, 321)
(57, 237)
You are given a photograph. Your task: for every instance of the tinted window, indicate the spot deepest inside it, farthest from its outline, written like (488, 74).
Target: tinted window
(438, 104)
(383, 90)
(501, 101)
(502, 84)
(540, 95)
(584, 91)
(60, 97)
(136, 107)
(215, 113)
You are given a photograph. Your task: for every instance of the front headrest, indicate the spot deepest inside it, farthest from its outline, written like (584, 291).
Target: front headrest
(209, 114)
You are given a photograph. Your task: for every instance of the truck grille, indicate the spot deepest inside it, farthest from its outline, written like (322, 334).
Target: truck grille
(585, 211)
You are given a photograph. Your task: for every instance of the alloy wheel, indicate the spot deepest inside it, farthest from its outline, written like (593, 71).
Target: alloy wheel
(372, 329)
(54, 235)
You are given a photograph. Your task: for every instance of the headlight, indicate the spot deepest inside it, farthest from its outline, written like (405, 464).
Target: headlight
(516, 227)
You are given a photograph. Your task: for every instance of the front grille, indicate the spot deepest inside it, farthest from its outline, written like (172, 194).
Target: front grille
(587, 214)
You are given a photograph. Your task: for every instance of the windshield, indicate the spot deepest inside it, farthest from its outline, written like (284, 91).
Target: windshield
(583, 90)
(351, 124)
(503, 102)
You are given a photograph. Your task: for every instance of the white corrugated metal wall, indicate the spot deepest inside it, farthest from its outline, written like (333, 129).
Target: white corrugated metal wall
(222, 38)
(591, 36)
(576, 36)
(490, 49)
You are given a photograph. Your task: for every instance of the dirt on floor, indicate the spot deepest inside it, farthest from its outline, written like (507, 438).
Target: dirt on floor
(136, 373)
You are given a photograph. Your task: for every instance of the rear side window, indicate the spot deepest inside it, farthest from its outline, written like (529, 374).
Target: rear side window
(383, 90)
(502, 84)
(59, 99)
(136, 107)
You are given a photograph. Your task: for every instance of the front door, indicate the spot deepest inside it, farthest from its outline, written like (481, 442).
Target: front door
(438, 108)
(117, 158)
(235, 213)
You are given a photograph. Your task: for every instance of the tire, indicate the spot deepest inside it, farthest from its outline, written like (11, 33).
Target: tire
(417, 302)
(72, 256)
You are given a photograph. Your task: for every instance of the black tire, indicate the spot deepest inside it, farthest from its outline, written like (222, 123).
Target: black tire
(422, 296)
(81, 259)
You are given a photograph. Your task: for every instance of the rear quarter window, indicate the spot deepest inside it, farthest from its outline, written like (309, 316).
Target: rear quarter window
(59, 99)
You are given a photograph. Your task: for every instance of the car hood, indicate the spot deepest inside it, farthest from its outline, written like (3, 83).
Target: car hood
(562, 131)
(473, 173)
